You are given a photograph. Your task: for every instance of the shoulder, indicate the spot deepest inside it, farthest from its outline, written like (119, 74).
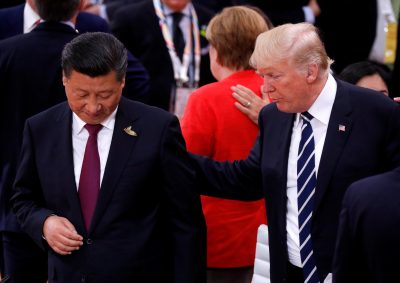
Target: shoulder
(362, 98)
(87, 22)
(50, 115)
(150, 114)
(374, 188)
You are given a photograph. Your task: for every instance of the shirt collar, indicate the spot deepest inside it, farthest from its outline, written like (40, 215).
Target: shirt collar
(322, 106)
(78, 124)
(30, 17)
(185, 11)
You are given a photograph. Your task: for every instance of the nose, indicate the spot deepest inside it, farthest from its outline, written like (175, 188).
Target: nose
(92, 105)
(268, 86)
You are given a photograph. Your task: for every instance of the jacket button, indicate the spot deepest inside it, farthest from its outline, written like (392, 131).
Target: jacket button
(89, 241)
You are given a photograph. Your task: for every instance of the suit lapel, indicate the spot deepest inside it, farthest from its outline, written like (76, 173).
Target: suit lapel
(338, 131)
(121, 147)
(285, 134)
(65, 164)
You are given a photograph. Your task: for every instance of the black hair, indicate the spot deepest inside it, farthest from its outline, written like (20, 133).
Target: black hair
(356, 71)
(95, 54)
(57, 10)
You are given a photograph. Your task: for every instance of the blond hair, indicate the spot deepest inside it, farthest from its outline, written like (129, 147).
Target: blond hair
(299, 44)
(233, 33)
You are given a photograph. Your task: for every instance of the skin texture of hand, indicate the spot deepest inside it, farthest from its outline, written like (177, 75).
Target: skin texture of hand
(397, 99)
(314, 7)
(248, 102)
(61, 235)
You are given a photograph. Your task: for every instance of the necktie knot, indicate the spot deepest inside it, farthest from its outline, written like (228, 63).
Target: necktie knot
(307, 117)
(177, 17)
(93, 129)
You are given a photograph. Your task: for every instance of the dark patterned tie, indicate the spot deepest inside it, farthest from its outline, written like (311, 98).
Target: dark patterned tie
(306, 183)
(89, 182)
(179, 41)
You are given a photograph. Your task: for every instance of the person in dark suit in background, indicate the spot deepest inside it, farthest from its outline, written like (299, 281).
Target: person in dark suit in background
(24, 18)
(316, 157)
(140, 28)
(367, 247)
(348, 39)
(30, 81)
(127, 193)
(287, 11)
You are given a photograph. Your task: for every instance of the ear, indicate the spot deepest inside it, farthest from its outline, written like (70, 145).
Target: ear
(64, 79)
(312, 73)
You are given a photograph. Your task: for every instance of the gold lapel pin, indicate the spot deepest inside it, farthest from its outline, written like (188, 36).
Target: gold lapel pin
(130, 132)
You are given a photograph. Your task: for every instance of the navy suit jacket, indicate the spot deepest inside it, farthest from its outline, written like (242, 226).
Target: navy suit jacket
(147, 226)
(368, 238)
(12, 22)
(370, 144)
(30, 82)
(137, 26)
(137, 78)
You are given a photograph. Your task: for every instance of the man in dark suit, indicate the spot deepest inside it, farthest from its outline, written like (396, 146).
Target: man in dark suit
(138, 27)
(12, 21)
(30, 81)
(144, 222)
(21, 19)
(367, 247)
(348, 39)
(303, 163)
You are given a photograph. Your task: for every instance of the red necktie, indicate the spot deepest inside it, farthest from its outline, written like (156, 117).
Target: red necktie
(89, 182)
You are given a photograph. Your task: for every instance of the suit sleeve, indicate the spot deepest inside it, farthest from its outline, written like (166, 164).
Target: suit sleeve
(184, 208)
(27, 200)
(137, 81)
(240, 180)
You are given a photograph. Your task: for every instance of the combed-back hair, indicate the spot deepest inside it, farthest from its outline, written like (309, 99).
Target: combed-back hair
(95, 54)
(57, 10)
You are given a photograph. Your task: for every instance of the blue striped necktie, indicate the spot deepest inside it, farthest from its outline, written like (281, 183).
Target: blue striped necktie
(306, 183)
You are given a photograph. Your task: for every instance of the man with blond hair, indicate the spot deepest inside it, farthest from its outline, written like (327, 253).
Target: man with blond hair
(316, 137)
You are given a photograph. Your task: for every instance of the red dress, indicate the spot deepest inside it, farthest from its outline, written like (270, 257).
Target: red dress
(214, 127)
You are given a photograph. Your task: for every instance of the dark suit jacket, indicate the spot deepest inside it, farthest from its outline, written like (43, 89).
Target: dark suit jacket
(280, 11)
(369, 145)
(30, 82)
(348, 39)
(137, 26)
(368, 238)
(147, 225)
(137, 79)
(12, 22)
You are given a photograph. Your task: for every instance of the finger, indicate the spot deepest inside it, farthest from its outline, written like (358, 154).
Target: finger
(245, 91)
(242, 109)
(70, 231)
(239, 98)
(397, 99)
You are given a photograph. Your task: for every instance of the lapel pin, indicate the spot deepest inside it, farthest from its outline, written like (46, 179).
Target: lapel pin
(342, 128)
(130, 132)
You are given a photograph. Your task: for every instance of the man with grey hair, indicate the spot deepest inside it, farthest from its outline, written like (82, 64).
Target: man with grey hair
(316, 137)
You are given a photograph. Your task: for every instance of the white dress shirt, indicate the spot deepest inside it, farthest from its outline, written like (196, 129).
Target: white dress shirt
(321, 111)
(79, 138)
(30, 18)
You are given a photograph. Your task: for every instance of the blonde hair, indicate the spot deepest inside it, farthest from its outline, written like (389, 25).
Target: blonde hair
(233, 33)
(299, 44)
